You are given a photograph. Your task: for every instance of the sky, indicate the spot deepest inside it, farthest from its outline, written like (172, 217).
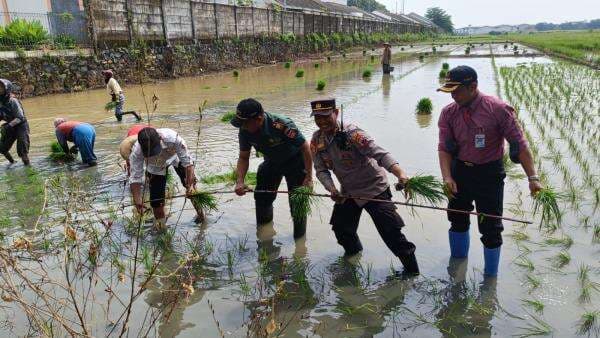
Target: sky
(497, 12)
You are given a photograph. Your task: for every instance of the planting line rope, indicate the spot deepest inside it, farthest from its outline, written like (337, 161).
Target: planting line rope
(362, 199)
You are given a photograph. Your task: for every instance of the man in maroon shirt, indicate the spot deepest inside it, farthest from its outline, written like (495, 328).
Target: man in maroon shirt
(472, 131)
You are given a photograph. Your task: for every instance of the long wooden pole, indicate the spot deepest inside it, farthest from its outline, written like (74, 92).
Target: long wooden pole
(466, 212)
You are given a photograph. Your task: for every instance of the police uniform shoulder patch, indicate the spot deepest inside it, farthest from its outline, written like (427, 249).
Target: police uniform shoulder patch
(359, 138)
(291, 133)
(278, 125)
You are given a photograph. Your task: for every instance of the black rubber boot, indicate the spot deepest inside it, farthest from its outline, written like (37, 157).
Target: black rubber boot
(299, 228)
(9, 157)
(264, 214)
(411, 268)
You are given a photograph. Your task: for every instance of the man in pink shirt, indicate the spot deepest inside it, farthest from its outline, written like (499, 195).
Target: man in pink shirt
(472, 131)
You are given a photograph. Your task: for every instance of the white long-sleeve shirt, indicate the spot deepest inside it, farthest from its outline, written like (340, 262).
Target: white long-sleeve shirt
(174, 152)
(113, 87)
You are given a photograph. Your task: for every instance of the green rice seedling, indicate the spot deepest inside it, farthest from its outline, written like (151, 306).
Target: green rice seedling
(367, 73)
(300, 73)
(443, 74)
(445, 66)
(566, 241)
(372, 58)
(302, 202)
(424, 106)
(287, 65)
(533, 281)
(228, 116)
(525, 263)
(424, 188)
(537, 327)
(203, 200)
(321, 85)
(328, 58)
(467, 50)
(518, 236)
(546, 201)
(236, 73)
(562, 259)
(596, 234)
(589, 324)
(229, 178)
(111, 105)
(535, 304)
(421, 58)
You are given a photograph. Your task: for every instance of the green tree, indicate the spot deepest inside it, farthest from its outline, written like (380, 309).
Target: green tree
(367, 5)
(440, 18)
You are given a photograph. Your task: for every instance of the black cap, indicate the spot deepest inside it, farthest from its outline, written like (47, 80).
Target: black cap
(323, 107)
(461, 75)
(149, 141)
(246, 109)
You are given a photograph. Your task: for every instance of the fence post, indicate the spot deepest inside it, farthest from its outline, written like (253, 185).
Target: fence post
(163, 19)
(89, 9)
(235, 20)
(216, 20)
(129, 15)
(282, 32)
(192, 22)
(268, 22)
(253, 29)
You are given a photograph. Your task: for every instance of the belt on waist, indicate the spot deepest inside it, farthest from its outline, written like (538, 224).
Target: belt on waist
(478, 165)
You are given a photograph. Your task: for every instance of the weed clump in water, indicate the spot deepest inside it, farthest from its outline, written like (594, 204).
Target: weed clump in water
(321, 85)
(546, 201)
(424, 106)
(300, 73)
(302, 201)
(367, 73)
(236, 73)
(227, 117)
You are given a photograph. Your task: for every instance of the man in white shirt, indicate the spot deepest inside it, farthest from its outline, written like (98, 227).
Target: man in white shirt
(116, 94)
(159, 149)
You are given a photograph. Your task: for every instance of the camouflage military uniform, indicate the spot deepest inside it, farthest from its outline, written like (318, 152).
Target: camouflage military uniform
(280, 142)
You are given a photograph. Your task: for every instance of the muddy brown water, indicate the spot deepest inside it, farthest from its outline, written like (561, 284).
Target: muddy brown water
(340, 298)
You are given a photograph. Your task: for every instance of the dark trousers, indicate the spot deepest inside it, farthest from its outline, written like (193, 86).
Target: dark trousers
(346, 216)
(484, 185)
(387, 68)
(158, 185)
(20, 134)
(268, 177)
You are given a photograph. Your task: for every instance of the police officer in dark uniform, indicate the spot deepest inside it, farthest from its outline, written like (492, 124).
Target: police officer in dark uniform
(16, 127)
(286, 153)
(472, 130)
(361, 167)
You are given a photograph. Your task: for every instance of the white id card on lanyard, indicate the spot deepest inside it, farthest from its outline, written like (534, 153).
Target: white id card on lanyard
(479, 141)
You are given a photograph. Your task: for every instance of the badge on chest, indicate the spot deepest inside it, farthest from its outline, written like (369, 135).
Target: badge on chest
(480, 141)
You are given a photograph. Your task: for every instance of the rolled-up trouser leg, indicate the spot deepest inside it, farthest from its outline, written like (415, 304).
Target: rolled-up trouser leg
(389, 225)
(345, 219)
(119, 107)
(267, 179)
(84, 137)
(294, 178)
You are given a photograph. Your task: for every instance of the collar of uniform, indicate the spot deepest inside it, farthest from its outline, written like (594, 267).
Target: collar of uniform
(476, 101)
(268, 120)
(329, 138)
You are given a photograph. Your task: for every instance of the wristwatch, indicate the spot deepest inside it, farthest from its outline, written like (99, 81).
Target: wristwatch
(533, 178)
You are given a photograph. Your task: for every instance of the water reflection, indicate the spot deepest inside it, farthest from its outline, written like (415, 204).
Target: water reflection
(423, 120)
(386, 81)
(468, 308)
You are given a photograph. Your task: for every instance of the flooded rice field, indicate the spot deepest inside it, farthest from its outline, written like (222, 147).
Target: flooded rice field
(226, 277)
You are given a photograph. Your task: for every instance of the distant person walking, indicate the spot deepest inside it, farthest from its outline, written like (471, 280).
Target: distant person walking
(116, 94)
(386, 59)
(16, 127)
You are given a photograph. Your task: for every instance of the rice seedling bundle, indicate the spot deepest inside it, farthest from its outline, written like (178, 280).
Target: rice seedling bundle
(317, 65)
(57, 153)
(236, 73)
(110, 105)
(227, 117)
(203, 200)
(300, 73)
(443, 74)
(589, 324)
(302, 202)
(367, 73)
(287, 64)
(321, 85)
(424, 106)
(545, 202)
(445, 66)
(421, 58)
(424, 188)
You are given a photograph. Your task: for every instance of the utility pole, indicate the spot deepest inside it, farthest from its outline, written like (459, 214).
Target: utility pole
(403, 6)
